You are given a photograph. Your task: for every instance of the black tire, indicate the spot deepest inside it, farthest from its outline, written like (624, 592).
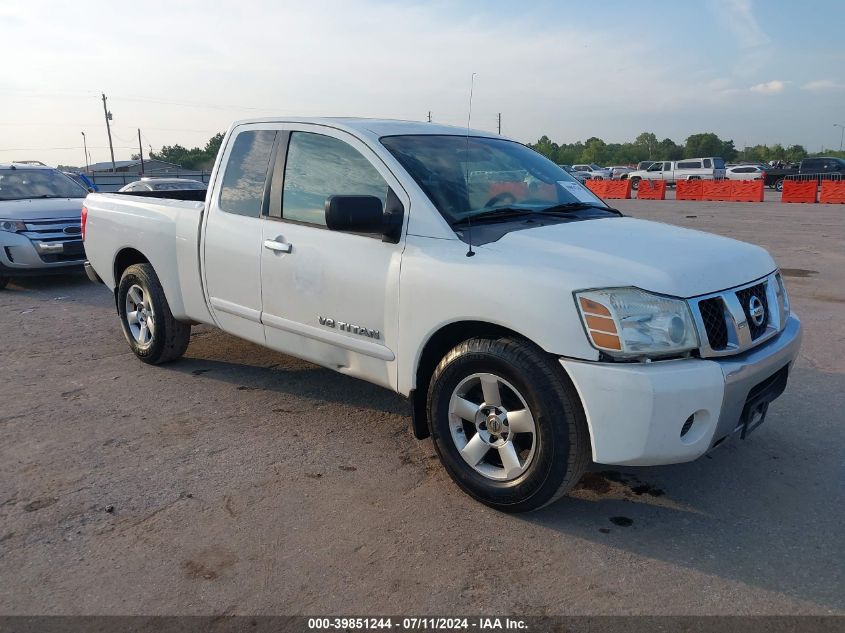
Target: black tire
(635, 183)
(562, 450)
(779, 184)
(4, 281)
(169, 338)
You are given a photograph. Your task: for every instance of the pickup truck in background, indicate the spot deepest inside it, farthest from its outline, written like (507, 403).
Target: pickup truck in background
(40, 230)
(674, 170)
(823, 168)
(532, 327)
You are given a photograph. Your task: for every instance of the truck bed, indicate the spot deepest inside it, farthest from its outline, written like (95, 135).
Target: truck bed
(165, 231)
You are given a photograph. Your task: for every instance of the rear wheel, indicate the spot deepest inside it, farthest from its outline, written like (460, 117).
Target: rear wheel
(148, 325)
(507, 424)
(635, 183)
(779, 184)
(4, 281)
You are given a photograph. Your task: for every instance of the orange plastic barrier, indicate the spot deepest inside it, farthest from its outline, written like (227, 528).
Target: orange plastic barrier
(688, 189)
(651, 190)
(747, 190)
(598, 187)
(617, 189)
(799, 191)
(719, 190)
(833, 192)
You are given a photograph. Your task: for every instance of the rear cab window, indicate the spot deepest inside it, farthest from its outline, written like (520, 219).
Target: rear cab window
(242, 189)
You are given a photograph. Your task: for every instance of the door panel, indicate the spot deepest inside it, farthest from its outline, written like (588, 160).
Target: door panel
(333, 298)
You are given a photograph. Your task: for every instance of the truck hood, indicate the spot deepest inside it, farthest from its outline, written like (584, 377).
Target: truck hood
(627, 252)
(39, 209)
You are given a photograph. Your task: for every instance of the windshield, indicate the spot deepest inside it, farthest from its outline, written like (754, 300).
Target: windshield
(20, 184)
(595, 167)
(465, 177)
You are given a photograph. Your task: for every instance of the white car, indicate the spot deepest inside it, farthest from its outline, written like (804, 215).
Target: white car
(533, 328)
(620, 172)
(745, 172)
(164, 184)
(596, 172)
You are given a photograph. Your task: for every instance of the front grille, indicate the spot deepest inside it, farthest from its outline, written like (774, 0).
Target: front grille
(713, 315)
(724, 322)
(744, 297)
(64, 231)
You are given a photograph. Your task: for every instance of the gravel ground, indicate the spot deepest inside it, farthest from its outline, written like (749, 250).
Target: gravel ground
(241, 481)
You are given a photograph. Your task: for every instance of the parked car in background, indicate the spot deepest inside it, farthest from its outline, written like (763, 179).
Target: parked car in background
(596, 172)
(674, 170)
(576, 335)
(39, 221)
(581, 176)
(745, 172)
(824, 167)
(620, 171)
(163, 184)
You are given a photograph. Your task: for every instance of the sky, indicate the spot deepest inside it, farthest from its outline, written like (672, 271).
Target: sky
(755, 72)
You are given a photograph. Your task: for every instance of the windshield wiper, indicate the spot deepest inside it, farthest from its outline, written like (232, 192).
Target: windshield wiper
(569, 207)
(501, 213)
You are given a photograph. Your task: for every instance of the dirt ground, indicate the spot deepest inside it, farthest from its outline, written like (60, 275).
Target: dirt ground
(241, 481)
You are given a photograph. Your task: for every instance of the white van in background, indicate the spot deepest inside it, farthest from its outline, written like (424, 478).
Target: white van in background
(710, 168)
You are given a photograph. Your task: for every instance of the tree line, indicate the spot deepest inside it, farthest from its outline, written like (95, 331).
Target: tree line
(594, 150)
(647, 147)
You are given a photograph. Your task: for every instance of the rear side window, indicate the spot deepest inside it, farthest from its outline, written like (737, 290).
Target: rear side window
(242, 191)
(708, 162)
(811, 165)
(320, 166)
(690, 164)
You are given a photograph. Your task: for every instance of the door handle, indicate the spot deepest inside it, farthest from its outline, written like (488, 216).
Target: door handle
(278, 247)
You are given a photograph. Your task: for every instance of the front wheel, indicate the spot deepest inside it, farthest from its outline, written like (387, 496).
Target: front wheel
(779, 184)
(148, 325)
(635, 183)
(507, 424)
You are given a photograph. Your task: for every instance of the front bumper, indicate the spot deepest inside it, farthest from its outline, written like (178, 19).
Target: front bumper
(636, 411)
(20, 255)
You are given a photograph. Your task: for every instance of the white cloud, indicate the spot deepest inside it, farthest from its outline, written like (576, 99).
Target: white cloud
(775, 86)
(823, 85)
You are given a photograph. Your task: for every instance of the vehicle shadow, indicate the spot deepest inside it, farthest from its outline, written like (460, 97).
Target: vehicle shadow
(281, 374)
(767, 511)
(74, 286)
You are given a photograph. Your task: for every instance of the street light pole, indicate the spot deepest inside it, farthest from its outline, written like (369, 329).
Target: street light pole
(841, 134)
(85, 147)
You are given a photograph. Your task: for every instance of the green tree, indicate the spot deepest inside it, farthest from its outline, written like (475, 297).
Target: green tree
(704, 144)
(647, 143)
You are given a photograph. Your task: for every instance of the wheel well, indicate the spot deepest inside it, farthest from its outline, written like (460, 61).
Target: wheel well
(126, 258)
(435, 349)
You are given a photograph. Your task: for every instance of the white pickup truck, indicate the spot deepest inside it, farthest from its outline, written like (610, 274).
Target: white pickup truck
(533, 328)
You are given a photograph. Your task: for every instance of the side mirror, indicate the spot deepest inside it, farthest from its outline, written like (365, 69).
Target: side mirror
(356, 214)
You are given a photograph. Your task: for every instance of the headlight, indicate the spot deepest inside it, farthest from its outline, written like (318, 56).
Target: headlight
(784, 297)
(12, 226)
(628, 322)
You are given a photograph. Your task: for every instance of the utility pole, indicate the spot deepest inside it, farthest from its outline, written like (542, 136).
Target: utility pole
(85, 147)
(841, 134)
(429, 116)
(141, 151)
(108, 129)
(500, 123)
